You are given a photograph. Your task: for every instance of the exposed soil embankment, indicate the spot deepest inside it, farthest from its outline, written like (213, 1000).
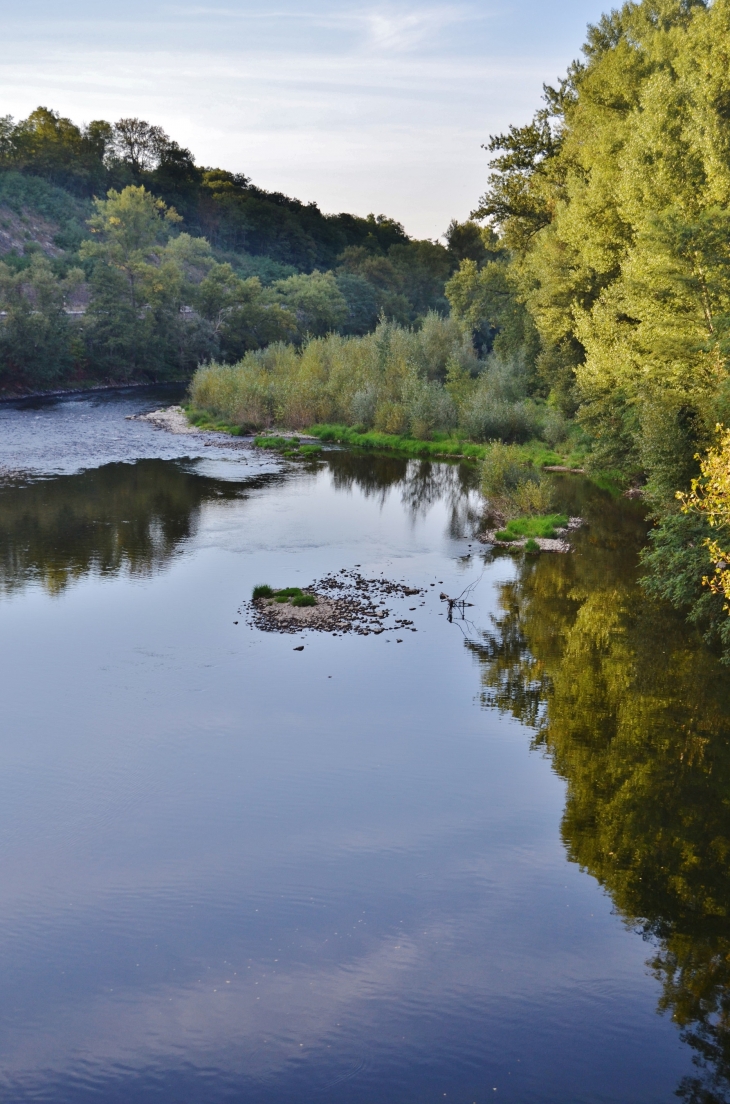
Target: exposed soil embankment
(344, 603)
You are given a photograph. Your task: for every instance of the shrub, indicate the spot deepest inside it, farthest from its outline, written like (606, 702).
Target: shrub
(262, 591)
(533, 496)
(304, 600)
(555, 427)
(512, 485)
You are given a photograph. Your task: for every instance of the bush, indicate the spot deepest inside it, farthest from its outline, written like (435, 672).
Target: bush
(488, 420)
(390, 380)
(555, 427)
(238, 394)
(262, 591)
(304, 600)
(512, 485)
(399, 381)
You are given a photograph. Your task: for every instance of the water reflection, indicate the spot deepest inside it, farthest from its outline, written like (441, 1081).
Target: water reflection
(421, 482)
(133, 517)
(634, 713)
(119, 517)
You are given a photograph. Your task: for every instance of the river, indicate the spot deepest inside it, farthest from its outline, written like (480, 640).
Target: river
(489, 862)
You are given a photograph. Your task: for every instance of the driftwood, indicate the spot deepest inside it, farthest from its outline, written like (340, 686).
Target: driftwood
(461, 603)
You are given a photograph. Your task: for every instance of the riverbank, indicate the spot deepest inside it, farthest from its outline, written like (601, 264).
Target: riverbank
(92, 389)
(438, 447)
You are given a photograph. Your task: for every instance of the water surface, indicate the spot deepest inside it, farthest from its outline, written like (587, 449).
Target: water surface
(488, 862)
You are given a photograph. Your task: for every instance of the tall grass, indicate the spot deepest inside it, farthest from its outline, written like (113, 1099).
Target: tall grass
(406, 383)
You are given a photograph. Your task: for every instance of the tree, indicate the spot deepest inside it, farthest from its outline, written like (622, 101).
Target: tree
(38, 343)
(487, 300)
(710, 498)
(141, 144)
(137, 290)
(243, 315)
(55, 148)
(315, 301)
(468, 241)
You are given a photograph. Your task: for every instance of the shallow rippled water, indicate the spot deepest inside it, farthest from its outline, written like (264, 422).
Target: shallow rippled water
(367, 871)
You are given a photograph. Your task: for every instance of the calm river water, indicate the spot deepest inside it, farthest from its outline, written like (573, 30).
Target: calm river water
(491, 862)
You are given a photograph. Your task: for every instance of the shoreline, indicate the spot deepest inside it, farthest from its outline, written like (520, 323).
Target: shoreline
(95, 390)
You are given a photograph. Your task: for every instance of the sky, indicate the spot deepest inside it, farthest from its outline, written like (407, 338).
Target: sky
(378, 107)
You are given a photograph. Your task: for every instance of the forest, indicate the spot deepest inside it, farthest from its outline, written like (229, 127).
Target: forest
(122, 260)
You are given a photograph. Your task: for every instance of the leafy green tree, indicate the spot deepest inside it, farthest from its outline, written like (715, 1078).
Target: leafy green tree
(363, 306)
(615, 206)
(468, 241)
(315, 301)
(39, 344)
(138, 288)
(56, 148)
(487, 300)
(242, 313)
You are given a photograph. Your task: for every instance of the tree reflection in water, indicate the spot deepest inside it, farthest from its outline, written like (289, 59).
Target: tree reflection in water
(118, 517)
(134, 516)
(634, 713)
(422, 484)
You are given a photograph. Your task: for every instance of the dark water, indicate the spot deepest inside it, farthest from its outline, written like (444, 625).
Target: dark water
(488, 863)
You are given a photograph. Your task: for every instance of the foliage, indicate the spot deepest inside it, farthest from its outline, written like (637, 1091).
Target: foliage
(612, 209)
(226, 208)
(262, 591)
(398, 382)
(272, 269)
(536, 526)
(512, 485)
(710, 497)
(36, 335)
(315, 301)
(391, 379)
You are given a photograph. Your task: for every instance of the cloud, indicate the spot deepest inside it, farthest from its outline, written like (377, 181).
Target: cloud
(407, 31)
(375, 108)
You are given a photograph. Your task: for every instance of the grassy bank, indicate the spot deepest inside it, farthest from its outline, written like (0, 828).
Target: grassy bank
(543, 526)
(441, 445)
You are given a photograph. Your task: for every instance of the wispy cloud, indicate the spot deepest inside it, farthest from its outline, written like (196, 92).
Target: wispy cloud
(409, 30)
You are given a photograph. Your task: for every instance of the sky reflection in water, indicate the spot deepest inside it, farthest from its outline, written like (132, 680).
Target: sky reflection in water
(227, 875)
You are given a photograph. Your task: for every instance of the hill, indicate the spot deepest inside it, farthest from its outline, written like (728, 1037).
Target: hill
(304, 271)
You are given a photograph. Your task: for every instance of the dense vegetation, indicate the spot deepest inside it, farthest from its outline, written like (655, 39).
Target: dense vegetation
(397, 380)
(614, 207)
(123, 260)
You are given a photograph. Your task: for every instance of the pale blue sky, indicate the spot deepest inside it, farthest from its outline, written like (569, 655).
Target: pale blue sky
(361, 107)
